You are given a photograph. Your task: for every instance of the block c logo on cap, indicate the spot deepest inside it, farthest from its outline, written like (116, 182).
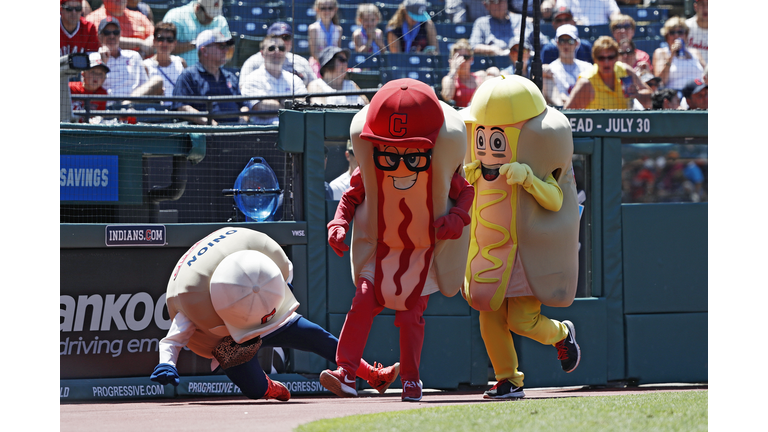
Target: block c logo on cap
(398, 124)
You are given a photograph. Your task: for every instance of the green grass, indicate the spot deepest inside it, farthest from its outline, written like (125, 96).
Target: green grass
(662, 411)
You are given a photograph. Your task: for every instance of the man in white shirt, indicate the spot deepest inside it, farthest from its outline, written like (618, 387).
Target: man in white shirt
(293, 63)
(698, 29)
(566, 68)
(341, 183)
(271, 79)
(127, 76)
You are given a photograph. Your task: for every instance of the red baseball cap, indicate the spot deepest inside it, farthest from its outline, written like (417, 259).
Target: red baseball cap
(404, 113)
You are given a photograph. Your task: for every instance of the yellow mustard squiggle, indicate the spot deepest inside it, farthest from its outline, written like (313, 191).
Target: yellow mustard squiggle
(487, 249)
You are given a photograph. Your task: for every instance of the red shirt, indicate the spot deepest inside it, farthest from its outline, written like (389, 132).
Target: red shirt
(77, 88)
(132, 24)
(85, 38)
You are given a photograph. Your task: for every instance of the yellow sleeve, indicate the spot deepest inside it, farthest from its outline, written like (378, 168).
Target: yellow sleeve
(546, 192)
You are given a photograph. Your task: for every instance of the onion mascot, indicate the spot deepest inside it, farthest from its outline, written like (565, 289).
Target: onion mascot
(523, 249)
(229, 295)
(410, 204)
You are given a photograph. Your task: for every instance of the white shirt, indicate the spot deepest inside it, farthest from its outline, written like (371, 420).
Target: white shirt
(340, 184)
(341, 100)
(126, 73)
(293, 63)
(169, 73)
(698, 38)
(566, 75)
(590, 12)
(262, 83)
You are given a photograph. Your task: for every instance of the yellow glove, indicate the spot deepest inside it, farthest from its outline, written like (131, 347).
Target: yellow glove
(472, 171)
(517, 173)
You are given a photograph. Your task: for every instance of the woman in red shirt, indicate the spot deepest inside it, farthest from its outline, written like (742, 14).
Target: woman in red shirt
(460, 83)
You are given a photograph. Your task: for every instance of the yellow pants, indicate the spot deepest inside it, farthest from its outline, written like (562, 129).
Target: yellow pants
(521, 315)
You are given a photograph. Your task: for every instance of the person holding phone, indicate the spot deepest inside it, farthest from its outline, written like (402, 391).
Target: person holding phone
(460, 83)
(675, 63)
(602, 87)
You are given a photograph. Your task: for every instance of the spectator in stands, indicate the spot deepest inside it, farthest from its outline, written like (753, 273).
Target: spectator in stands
(368, 38)
(491, 33)
(460, 83)
(650, 80)
(665, 99)
(294, 63)
(516, 6)
(91, 83)
(675, 63)
(565, 70)
(164, 66)
(271, 79)
(341, 183)
(698, 29)
(140, 6)
(696, 94)
(623, 29)
(549, 52)
(602, 87)
(191, 20)
(207, 78)
(514, 53)
(324, 32)
(465, 11)
(86, 8)
(76, 35)
(589, 12)
(135, 29)
(127, 76)
(333, 69)
(411, 29)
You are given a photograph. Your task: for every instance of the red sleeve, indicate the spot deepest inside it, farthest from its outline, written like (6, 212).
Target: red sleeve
(462, 192)
(91, 36)
(351, 198)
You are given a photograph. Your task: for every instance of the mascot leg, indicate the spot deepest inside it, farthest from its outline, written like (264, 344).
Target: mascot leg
(357, 326)
(525, 319)
(499, 344)
(254, 384)
(411, 325)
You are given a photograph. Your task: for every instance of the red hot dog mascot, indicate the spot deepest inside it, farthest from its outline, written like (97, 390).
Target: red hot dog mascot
(229, 295)
(410, 204)
(523, 248)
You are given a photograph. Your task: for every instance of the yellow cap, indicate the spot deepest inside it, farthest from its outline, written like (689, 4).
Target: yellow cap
(506, 99)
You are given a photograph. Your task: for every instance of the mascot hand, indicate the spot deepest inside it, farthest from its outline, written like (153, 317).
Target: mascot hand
(472, 171)
(165, 373)
(517, 173)
(451, 225)
(336, 235)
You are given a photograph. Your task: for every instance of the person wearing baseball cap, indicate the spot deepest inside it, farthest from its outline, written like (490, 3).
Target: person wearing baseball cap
(409, 241)
(561, 16)
(566, 68)
(76, 35)
(696, 94)
(411, 29)
(230, 295)
(293, 63)
(192, 19)
(136, 30)
(91, 83)
(333, 71)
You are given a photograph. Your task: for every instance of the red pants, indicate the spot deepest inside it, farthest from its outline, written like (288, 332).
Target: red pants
(358, 324)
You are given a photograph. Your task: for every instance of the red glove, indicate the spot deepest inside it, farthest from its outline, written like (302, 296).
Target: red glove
(337, 232)
(451, 225)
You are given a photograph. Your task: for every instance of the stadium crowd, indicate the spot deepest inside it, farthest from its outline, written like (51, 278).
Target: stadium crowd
(594, 54)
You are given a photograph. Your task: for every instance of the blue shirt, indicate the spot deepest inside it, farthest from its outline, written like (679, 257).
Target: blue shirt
(196, 81)
(188, 27)
(549, 52)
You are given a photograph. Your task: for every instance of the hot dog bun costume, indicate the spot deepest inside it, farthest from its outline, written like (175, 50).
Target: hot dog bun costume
(228, 295)
(410, 204)
(523, 248)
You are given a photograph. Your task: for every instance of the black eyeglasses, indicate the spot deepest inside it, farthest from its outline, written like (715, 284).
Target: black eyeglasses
(327, 8)
(168, 39)
(110, 32)
(72, 8)
(286, 37)
(272, 48)
(566, 41)
(604, 58)
(677, 32)
(389, 161)
(624, 26)
(342, 60)
(627, 52)
(467, 56)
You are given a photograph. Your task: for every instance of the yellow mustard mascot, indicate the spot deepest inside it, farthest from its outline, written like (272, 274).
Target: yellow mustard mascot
(524, 231)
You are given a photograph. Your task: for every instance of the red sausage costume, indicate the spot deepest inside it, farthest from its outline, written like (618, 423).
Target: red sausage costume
(410, 205)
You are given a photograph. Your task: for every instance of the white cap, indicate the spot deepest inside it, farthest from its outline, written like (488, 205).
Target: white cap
(567, 29)
(212, 7)
(249, 294)
(207, 37)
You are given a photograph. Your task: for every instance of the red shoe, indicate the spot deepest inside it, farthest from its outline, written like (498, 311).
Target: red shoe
(381, 378)
(339, 382)
(411, 391)
(277, 390)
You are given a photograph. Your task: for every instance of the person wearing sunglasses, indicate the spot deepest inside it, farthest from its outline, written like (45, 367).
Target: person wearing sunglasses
(76, 35)
(136, 30)
(293, 63)
(587, 12)
(623, 28)
(460, 83)
(411, 30)
(163, 66)
(610, 84)
(207, 77)
(192, 19)
(676, 64)
(333, 69)
(324, 32)
(271, 79)
(565, 70)
(549, 51)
